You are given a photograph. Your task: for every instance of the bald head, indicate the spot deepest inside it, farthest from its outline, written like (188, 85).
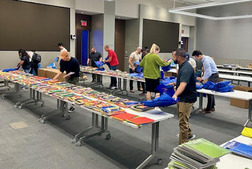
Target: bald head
(138, 50)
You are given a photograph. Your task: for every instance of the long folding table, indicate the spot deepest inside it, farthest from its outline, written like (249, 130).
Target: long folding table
(236, 94)
(122, 81)
(236, 78)
(97, 129)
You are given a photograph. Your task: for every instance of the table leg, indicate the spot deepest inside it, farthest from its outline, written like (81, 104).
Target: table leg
(154, 145)
(201, 101)
(249, 114)
(93, 130)
(62, 108)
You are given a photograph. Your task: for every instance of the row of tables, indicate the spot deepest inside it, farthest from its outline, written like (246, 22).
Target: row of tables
(96, 128)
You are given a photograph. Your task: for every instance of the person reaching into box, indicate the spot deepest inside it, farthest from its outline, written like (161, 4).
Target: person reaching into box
(72, 68)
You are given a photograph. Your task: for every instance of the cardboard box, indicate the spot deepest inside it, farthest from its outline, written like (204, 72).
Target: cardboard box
(169, 74)
(50, 73)
(241, 103)
(41, 72)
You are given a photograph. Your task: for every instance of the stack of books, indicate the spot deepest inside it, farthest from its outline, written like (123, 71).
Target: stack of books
(196, 154)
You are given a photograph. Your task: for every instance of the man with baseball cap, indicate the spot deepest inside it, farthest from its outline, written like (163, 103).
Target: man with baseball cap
(71, 66)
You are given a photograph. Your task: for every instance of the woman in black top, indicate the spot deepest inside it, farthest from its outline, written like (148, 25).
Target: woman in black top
(25, 60)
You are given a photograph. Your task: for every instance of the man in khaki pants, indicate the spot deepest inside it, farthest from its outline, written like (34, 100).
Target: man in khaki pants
(186, 91)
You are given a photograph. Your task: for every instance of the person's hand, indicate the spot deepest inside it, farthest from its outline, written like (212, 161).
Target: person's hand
(169, 61)
(171, 84)
(104, 61)
(133, 69)
(199, 79)
(54, 80)
(175, 97)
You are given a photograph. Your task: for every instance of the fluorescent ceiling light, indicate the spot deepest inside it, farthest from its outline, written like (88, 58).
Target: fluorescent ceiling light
(181, 10)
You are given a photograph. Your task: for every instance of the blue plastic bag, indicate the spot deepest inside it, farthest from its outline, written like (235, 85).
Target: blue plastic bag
(52, 65)
(166, 68)
(99, 63)
(222, 84)
(209, 85)
(167, 89)
(162, 101)
(9, 70)
(228, 88)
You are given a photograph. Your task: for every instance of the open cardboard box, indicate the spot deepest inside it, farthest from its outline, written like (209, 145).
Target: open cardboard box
(238, 102)
(50, 73)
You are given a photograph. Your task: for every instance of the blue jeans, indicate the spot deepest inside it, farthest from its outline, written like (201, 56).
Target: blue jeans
(27, 70)
(113, 79)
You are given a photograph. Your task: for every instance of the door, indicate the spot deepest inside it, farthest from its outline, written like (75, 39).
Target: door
(84, 47)
(185, 43)
(120, 42)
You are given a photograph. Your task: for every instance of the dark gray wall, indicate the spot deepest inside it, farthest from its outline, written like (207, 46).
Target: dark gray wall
(227, 41)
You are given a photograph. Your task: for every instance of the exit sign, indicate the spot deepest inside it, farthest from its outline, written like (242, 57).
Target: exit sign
(83, 23)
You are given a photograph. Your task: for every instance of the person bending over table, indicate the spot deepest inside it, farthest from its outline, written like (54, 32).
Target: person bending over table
(186, 91)
(113, 62)
(210, 74)
(151, 70)
(135, 57)
(94, 56)
(25, 61)
(70, 65)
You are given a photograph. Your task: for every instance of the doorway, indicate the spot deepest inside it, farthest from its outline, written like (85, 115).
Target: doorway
(120, 42)
(185, 43)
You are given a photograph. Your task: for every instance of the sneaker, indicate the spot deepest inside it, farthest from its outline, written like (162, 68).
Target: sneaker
(132, 91)
(113, 87)
(108, 87)
(191, 137)
(157, 108)
(142, 94)
(71, 109)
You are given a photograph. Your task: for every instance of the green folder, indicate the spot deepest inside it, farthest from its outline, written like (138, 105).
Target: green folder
(206, 147)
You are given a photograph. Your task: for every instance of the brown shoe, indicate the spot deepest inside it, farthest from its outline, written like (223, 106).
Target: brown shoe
(205, 111)
(140, 89)
(132, 91)
(212, 109)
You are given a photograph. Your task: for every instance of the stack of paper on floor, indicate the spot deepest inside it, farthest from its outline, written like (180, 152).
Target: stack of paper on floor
(196, 154)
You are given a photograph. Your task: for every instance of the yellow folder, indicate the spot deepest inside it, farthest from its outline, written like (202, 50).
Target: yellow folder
(247, 132)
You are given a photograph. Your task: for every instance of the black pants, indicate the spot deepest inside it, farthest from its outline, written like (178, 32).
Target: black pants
(34, 66)
(211, 101)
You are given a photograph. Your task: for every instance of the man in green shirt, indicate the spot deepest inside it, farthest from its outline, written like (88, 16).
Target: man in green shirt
(151, 70)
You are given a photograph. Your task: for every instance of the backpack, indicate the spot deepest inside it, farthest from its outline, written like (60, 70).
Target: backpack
(36, 58)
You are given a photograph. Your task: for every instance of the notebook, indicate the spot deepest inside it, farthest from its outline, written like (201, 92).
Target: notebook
(140, 120)
(124, 116)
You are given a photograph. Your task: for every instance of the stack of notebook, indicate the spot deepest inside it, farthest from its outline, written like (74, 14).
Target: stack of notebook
(196, 154)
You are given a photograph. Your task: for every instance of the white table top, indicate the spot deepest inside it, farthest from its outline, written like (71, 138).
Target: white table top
(232, 161)
(234, 72)
(173, 70)
(238, 78)
(236, 94)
